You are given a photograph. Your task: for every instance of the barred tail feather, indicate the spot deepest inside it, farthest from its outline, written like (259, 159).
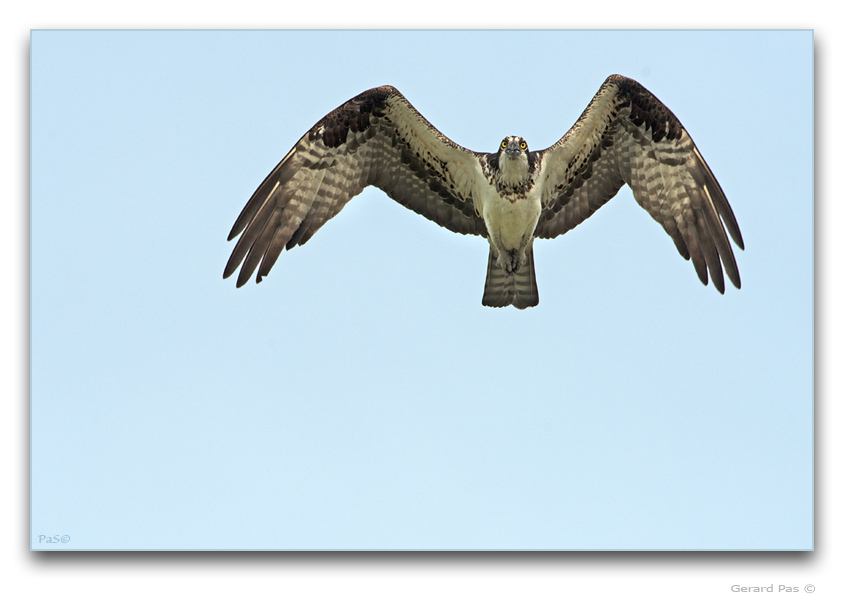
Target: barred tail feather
(527, 294)
(503, 289)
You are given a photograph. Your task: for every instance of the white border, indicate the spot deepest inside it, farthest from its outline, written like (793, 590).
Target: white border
(411, 575)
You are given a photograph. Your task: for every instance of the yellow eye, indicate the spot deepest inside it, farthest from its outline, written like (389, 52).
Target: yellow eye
(523, 145)
(504, 144)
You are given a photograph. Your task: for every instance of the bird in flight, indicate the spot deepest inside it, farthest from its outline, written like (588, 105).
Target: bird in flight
(511, 196)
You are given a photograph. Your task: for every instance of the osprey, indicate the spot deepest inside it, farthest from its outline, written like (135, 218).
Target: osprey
(510, 196)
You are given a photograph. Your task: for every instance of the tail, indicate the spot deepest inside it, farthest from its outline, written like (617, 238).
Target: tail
(518, 288)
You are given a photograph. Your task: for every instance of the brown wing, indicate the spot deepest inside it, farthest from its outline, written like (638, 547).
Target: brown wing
(626, 135)
(376, 138)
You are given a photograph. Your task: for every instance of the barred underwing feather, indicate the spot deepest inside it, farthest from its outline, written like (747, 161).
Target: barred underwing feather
(376, 138)
(644, 145)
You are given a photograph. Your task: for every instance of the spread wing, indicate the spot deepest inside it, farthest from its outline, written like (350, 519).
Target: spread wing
(626, 135)
(376, 138)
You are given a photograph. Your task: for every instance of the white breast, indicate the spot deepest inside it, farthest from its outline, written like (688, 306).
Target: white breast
(510, 224)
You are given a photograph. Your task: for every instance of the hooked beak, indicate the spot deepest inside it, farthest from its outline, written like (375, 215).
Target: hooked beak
(513, 149)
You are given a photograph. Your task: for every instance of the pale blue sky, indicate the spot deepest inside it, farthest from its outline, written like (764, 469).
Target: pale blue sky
(361, 396)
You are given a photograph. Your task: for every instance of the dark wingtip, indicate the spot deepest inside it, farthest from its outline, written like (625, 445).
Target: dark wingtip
(735, 278)
(243, 278)
(700, 269)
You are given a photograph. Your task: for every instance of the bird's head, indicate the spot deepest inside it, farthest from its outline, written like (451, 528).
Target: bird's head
(512, 147)
(514, 162)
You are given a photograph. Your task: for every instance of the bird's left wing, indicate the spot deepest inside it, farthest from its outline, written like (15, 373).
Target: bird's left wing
(626, 135)
(376, 138)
